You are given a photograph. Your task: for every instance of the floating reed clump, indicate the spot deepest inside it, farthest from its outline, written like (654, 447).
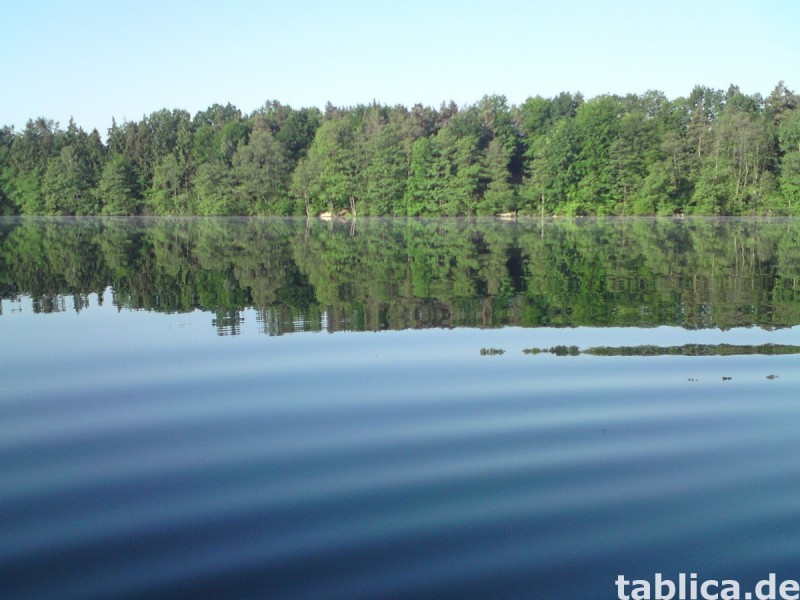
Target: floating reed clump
(492, 351)
(693, 350)
(685, 350)
(557, 350)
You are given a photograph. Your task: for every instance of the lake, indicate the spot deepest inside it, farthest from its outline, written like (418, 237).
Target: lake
(265, 408)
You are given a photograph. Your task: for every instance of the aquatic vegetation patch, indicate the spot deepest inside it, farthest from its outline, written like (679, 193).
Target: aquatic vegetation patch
(492, 351)
(685, 350)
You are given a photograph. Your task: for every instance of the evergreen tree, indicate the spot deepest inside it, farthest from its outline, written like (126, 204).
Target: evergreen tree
(118, 190)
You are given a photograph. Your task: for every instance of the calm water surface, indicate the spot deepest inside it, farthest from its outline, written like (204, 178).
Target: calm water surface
(259, 409)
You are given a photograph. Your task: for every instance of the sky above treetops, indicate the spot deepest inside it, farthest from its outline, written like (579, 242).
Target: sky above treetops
(95, 60)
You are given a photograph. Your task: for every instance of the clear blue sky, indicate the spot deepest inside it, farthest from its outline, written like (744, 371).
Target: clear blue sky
(95, 60)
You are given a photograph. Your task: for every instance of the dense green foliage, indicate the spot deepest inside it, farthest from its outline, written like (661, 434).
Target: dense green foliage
(713, 153)
(374, 274)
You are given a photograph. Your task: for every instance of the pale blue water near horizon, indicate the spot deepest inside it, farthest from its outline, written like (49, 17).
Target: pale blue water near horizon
(143, 456)
(226, 409)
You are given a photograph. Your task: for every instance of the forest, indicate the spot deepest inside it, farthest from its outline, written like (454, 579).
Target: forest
(714, 152)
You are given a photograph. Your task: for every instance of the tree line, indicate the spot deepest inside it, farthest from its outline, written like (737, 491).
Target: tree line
(714, 152)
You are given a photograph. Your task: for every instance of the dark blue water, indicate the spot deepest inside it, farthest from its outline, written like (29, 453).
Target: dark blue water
(143, 456)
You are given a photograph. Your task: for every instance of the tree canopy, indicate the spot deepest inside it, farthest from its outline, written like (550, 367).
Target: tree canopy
(714, 152)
